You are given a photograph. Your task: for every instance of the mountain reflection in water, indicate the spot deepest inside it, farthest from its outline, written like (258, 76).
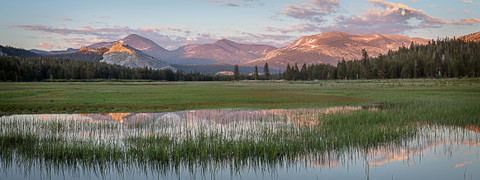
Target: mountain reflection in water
(435, 152)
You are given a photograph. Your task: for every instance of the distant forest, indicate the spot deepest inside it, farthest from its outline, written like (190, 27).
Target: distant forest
(49, 69)
(437, 59)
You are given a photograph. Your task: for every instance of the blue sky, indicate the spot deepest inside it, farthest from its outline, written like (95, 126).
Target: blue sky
(60, 24)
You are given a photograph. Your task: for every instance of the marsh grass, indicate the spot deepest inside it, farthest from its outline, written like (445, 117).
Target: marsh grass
(394, 111)
(242, 140)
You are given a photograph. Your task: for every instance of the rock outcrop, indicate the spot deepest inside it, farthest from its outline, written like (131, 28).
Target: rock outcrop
(124, 55)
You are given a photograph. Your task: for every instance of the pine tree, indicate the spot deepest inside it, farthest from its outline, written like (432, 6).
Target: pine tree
(438, 64)
(255, 73)
(332, 73)
(266, 71)
(342, 69)
(3, 75)
(288, 72)
(303, 72)
(236, 73)
(295, 72)
(380, 67)
(365, 64)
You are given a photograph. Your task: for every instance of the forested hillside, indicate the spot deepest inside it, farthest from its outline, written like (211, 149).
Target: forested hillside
(437, 59)
(11, 51)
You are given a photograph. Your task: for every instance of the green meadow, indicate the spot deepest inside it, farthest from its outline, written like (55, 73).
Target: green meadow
(99, 97)
(162, 96)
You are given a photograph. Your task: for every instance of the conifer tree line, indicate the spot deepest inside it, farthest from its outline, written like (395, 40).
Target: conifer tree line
(256, 75)
(46, 68)
(437, 59)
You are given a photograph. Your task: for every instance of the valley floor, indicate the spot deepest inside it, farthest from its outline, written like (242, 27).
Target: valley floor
(98, 97)
(394, 115)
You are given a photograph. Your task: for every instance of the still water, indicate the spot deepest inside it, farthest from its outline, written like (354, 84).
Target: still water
(436, 152)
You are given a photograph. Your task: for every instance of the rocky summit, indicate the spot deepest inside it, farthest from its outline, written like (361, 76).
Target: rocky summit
(124, 55)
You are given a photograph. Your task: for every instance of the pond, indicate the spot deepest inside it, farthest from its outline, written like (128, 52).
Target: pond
(229, 144)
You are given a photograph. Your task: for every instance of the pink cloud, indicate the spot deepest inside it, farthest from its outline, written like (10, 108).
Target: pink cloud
(391, 18)
(383, 17)
(277, 40)
(162, 28)
(45, 46)
(91, 34)
(87, 27)
(48, 46)
(66, 19)
(400, 13)
(467, 1)
(313, 10)
(77, 41)
(101, 16)
(302, 27)
(236, 3)
(110, 32)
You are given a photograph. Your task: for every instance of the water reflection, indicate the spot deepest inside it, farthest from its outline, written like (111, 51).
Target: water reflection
(115, 127)
(435, 152)
(220, 116)
(449, 152)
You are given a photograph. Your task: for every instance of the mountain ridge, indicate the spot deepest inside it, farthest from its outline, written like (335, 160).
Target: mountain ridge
(474, 37)
(125, 55)
(138, 42)
(331, 47)
(223, 50)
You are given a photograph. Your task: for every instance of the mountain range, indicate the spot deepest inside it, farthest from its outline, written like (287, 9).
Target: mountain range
(332, 47)
(69, 50)
(329, 47)
(222, 51)
(221, 55)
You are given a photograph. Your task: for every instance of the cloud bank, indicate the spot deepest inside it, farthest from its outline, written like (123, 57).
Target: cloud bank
(167, 37)
(381, 17)
(307, 17)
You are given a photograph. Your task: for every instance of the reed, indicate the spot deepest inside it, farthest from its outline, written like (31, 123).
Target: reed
(390, 112)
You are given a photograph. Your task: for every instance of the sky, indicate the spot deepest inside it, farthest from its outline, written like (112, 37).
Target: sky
(62, 24)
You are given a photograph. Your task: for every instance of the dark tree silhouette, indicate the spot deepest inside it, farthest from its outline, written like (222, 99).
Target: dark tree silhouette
(255, 73)
(266, 71)
(236, 73)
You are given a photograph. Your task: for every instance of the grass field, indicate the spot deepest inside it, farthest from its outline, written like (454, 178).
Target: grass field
(160, 96)
(82, 97)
